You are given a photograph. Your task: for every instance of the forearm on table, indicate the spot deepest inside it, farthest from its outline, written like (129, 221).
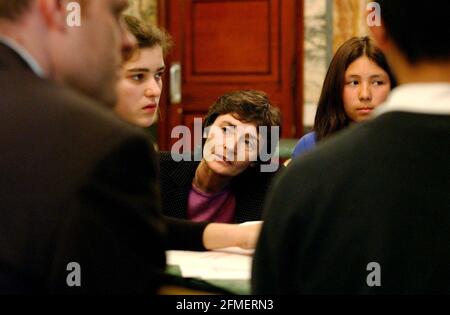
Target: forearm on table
(219, 235)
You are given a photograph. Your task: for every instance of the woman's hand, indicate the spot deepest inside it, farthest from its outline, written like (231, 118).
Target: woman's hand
(220, 235)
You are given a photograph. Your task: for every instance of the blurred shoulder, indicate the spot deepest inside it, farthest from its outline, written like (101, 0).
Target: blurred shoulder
(306, 143)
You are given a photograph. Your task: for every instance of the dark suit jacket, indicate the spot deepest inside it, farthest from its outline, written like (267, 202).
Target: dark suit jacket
(76, 185)
(378, 192)
(249, 189)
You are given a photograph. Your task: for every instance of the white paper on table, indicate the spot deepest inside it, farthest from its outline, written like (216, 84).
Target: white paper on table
(212, 264)
(236, 250)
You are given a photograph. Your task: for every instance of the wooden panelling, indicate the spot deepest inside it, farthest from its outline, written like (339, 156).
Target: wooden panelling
(228, 45)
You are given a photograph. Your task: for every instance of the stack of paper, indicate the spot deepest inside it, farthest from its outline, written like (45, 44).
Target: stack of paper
(228, 263)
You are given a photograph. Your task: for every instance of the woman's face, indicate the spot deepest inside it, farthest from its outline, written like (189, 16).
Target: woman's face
(140, 85)
(366, 86)
(231, 145)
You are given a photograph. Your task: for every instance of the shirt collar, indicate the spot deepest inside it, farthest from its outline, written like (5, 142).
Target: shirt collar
(25, 55)
(421, 98)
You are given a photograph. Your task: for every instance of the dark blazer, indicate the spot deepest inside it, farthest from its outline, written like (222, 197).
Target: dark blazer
(76, 185)
(376, 193)
(249, 188)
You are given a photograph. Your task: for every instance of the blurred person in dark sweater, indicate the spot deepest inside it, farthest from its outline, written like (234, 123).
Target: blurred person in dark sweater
(78, 186)
(368, 211)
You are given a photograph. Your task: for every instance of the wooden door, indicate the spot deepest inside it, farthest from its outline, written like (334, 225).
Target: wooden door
(226, 45)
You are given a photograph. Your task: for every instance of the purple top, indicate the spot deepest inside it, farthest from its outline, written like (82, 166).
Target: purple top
(218, 207)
